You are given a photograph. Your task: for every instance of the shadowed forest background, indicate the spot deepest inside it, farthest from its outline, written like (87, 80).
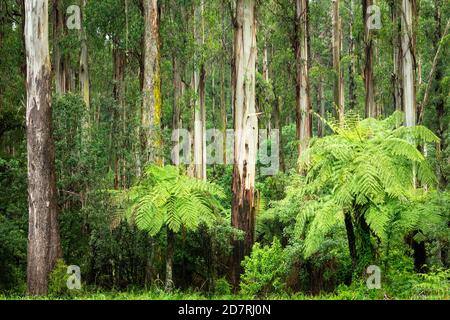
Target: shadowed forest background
(91, 173)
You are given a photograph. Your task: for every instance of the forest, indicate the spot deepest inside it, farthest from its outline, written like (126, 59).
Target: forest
(224, 149)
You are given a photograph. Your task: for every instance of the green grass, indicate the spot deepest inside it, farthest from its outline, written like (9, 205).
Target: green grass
(347, 294)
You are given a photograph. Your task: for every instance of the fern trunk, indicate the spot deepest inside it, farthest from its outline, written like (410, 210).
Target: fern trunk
(351, 239)
(169, 259)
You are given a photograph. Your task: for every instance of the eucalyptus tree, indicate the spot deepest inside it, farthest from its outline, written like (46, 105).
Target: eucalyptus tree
(303, 100)
(151, 91)
(198, 86)
(84, 60)
(44, 246)
(337, 51)
(409, 17)
(370, 106)
(245, 123)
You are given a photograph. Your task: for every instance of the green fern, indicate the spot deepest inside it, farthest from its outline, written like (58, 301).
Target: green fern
(367, 164)
(166, 197)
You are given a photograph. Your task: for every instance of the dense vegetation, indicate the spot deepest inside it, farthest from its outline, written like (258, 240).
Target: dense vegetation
(357, 186)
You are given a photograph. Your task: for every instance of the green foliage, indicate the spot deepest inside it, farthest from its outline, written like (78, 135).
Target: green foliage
(57, 283)
(222, 287)
(264, 270)
(13, 224)
(364, 166)
(167, 197)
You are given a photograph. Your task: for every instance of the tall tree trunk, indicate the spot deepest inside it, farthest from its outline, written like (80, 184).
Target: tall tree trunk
(245, 122)
(337, 49)
(119, 96)
(223, 109)
(84, 63)
(176, 112)
(279, 126)
(43, 233)
(302, 103)
(352, 65)
(439, 94)
(321, 103)
(199, 102)
(151, 92)
(397, 80)
(408, 63)
(59, 63)
(223, 105)
(370, 106)
(265, 74)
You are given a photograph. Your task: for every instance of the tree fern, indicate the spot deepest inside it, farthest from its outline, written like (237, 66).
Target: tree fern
(166, 197)
(364, 164)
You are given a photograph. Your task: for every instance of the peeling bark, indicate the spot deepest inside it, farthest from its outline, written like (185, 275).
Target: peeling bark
(151, 92)
(302, 101)
(44, 246)
(409, 54)
(337, 49)
(198, 83)
(245, 121)
(397, 76)
(370, 106)
(352, 66)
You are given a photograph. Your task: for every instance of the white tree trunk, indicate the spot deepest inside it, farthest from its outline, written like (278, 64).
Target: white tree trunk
(199, 102)
(370, 106)
(303, 104)
(43, 233)
(246, 131)
(408, 48)
(337, 49)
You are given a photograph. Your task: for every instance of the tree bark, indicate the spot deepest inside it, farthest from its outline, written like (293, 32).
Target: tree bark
(119, 61)
(409, 54)
(279, 126)
(397, 80)
(370, 106)
(352, 65)
(302, 101)
(176, 112)
(337, 49)
(245, 122)
(198, 82)
(84, 62)
(223, 105)
(223, 109)
(321, 103)
(44, 246)
(59, 64)
(151, 92)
